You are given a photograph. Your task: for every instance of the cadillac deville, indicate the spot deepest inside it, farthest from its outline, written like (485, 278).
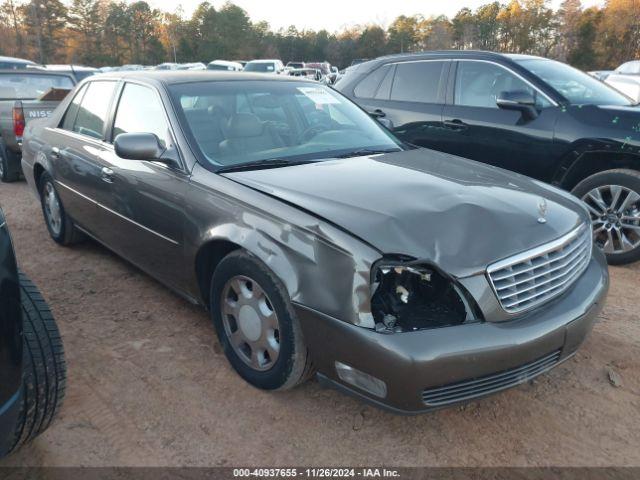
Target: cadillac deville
(319, 242)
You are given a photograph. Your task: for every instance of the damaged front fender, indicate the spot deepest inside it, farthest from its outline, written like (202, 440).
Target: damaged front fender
(321, 266)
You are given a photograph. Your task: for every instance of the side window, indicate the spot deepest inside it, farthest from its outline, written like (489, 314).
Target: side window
(368, 87)
(140, 111)
(418, 81)
(478, 84)
(384, 90)
(72, 109)
(94, 109)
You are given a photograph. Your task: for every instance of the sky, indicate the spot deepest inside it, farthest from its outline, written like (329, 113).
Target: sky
(334, 15)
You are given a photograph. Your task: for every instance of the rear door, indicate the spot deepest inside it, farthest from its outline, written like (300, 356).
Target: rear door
(476, 128)
(78, 150)
(145, 212)
(411, 95)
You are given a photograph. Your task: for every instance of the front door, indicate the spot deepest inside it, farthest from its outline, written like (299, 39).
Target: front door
(144, 214)
(478, 129)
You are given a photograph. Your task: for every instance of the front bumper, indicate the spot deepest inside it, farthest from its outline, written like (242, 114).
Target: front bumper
(8, 420)
(455, 359)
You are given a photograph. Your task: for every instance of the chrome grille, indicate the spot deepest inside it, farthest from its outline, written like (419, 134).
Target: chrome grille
(479, 387)
(538, 275)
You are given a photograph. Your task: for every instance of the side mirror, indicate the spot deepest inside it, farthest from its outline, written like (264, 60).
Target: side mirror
(520, 101)
(143, 146)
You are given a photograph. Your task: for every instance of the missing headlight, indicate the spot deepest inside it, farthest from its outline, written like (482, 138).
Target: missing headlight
(415, 297)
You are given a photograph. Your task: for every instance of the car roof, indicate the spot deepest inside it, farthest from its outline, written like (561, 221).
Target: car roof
(264, 61)
(171, 77)
(16, 60)
(454, 53)
(35, 71)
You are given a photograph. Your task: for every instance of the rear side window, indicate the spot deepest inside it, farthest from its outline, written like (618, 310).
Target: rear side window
(140, 111)
(368, 86)
(94, 109)
(418, 82)
(72, 111)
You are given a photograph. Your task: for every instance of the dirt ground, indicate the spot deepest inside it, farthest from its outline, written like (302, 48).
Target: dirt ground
(148, 385)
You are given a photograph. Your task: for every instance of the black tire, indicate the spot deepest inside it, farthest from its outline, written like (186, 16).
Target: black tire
(9, 164)
(629, 179)
(67, 234)
(44, 374)
(293, 365)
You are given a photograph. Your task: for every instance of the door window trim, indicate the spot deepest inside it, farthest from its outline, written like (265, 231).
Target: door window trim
(112, 118)
(516, 74)
(442, 86)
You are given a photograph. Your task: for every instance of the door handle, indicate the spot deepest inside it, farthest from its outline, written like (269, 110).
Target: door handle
(55, 152)
(456, 124)
(377, 113)
(107, 175)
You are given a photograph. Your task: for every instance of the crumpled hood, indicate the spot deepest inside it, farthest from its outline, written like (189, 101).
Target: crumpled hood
(458, 214)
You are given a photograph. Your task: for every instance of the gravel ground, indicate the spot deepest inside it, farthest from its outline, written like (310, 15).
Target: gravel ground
(148, 385)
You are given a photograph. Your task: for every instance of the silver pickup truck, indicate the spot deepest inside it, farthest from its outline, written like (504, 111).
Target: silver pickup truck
(25, 95)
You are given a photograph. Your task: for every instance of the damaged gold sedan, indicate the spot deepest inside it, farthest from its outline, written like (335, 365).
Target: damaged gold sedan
(318, 241)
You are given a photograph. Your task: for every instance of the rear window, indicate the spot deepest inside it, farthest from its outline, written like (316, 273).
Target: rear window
(26, 87)
(94, 108)
(368, 87)
(260, 67)
(418, 82)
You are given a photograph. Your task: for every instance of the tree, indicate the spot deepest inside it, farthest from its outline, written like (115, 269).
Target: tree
(45, 21)
(619, 33)
(86, 22)
(403, 34)
(10, 15)
(584, 54)
(569, 17)
(463, 28)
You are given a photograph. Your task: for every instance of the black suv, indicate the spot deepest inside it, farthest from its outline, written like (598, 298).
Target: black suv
(32, 366)
(528, 114)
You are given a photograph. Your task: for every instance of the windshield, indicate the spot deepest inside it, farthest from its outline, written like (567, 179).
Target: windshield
(238, 122)
(23, 87)
(259, 67)
(218, 66)
(576, 86)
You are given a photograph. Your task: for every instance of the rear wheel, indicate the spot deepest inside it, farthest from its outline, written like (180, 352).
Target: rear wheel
(256, 324)
(9, 164)
(59, 224)
(613, 200)
(44, 374)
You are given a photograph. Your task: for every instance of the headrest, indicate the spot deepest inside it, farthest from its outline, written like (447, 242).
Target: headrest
(266, 101)
(244, 125)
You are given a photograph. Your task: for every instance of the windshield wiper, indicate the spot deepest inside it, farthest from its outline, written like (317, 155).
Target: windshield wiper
(259, 164)
(368, 151)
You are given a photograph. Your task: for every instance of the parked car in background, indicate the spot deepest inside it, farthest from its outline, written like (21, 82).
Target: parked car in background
(296, 65)
(7, 63)
(264, 66)
(600, 74)
(241, 62)
(192, 66)
(442, 279)
(32, 365)
(25, 95)
(626, 79)
(225, 65)
(79, 72)
(528, 114)
(309, 73)
(166, 66)
(129, 67)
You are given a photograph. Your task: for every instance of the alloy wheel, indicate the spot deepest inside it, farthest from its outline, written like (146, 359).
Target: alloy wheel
(250, 323)
(615, 216)
(52, 208)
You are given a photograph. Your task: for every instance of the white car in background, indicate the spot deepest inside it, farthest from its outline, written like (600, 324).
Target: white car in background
(626, 79)
(264, 66)
(224, 65)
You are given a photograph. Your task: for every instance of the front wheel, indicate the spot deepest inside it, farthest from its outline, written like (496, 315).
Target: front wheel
(256, 325)
(44, 367)
(613, 200)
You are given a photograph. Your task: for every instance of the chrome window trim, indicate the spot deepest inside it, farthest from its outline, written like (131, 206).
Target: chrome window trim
(552, 101)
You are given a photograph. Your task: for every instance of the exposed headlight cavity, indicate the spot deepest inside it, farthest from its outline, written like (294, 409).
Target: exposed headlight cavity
(409, 297)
